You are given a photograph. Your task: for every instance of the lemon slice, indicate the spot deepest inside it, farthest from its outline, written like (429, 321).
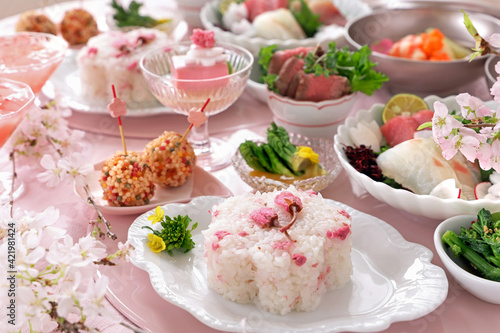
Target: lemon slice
(224, 5)
(403, 103)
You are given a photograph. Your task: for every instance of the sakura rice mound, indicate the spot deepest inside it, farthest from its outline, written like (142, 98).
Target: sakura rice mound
(112, 58)
(281, 250)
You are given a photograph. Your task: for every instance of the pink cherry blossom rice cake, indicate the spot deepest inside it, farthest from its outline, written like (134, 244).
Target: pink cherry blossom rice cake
(256, 252)
(113, 57)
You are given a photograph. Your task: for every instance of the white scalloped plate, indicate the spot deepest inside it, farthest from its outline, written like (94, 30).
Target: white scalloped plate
(393, 280)
(424, 205)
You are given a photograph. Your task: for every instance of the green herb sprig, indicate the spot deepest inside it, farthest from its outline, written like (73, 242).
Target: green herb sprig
(174, 232)
(132, 18)
(355, 65)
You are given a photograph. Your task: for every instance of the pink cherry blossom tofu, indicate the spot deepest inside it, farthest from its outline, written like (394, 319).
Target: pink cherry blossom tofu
(204, 61)
(281, 250)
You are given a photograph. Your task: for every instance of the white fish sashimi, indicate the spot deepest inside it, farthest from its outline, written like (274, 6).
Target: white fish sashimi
(419, 166)
(278, 24)
(362, 134)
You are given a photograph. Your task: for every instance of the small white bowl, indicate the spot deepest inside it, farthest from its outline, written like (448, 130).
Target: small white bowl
(313, 119)
(210, 18)
(459, 268)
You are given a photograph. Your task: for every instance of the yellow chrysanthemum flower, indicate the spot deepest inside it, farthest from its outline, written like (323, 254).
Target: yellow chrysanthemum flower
(307, 152)
(156, 244)
(157, 216)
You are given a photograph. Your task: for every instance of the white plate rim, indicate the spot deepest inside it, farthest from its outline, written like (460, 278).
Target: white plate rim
(432, 288)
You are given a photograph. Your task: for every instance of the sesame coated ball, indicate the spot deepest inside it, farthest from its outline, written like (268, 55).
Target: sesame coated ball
(127, 180)
(77, 26)
(171, 160)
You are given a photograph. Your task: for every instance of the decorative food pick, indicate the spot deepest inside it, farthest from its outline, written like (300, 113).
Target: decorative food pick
(196, 118)
(118, 108)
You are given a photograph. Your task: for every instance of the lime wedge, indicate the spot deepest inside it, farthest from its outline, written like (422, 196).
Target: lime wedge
(403, 103)
(224, 5)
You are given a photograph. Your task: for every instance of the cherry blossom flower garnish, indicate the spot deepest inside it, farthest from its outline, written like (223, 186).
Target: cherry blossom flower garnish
(197, 117)
(118, 108)
(292, 204)
(203, 38)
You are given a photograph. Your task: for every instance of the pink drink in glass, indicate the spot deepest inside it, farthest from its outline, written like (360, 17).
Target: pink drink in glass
(16, 98)
(30, 57)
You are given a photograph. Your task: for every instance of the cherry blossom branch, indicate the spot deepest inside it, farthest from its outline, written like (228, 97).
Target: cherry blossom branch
(100, 217)
(12, 185)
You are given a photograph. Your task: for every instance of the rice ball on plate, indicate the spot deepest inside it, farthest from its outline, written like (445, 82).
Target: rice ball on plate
(33, 21)
(127, 180)
(171, 160)
(77, 26)
(281, 250)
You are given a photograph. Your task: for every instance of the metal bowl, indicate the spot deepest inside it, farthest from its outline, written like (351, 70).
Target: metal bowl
(403, 18)
(489, 70)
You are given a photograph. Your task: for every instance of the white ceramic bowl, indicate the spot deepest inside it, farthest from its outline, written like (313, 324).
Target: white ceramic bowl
(459, 268)
(401, 18)
(424, 205)
(313, 119)
(350, 9)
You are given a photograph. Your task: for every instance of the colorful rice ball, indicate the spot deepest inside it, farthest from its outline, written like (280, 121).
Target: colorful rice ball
(127, 180)
(36, 22)
(171, 160)
(77, 26)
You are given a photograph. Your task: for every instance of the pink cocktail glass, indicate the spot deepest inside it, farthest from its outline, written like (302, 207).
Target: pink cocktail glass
(31, 57)
(184, 94)
(16, 100)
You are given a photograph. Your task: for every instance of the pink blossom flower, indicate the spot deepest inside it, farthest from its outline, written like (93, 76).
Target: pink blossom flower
(264, 217)
(299, 259)
(442, 122)
(203, 38)
(117, 108)
(472, 107)
(286, 199)
(494, 40)
(197, 117)
(469, 143)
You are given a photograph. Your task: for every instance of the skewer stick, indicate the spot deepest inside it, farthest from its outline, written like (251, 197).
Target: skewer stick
(120, 124)
(191, 126)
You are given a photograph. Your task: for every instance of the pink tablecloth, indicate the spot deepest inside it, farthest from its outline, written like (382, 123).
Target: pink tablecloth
(130, 290)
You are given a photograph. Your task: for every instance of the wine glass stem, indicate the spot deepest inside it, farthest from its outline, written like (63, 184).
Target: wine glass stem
(199, 139)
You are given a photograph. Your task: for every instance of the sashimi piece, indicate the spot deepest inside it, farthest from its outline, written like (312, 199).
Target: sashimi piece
(257, 7)
(419, 166)
(399, 129)
(278, 24)
(328, 13)
(408, 47)
(423, 116)
(383, 46)
(281, 56)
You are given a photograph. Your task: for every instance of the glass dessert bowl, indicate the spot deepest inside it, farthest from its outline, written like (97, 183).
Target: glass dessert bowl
(190, 90)
(31, 57)
(16, 100)
(264, 183)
